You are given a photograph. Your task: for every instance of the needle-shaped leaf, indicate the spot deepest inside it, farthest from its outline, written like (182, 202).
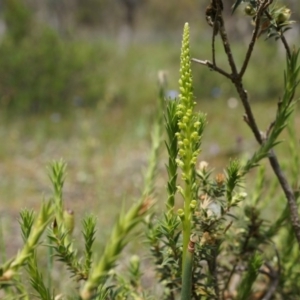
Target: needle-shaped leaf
(236, 4)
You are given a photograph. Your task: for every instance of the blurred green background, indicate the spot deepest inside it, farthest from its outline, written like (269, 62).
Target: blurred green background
(78, 80)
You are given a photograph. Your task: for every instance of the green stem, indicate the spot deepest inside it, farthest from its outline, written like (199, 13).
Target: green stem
(50, 263)
(186, 230)
(186, 290)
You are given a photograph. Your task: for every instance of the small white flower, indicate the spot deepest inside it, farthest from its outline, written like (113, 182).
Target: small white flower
(203, 165)
(212, 207)
(243, 195)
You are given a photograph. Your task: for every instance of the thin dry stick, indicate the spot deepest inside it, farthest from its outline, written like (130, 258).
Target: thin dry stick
(211, 66)
(253, 39)
(237, 81)
(215, 31)
(274, 276)
(213, 47)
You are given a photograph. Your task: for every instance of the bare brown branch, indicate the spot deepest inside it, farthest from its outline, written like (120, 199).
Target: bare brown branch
(255, 33)
(274, 278)
(236, 78)
(289, 193)
(211, 66)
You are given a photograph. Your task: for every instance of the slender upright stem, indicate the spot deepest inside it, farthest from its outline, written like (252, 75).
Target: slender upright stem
(186, 290)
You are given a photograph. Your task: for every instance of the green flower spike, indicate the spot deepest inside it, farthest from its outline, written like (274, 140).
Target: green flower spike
(191, 126)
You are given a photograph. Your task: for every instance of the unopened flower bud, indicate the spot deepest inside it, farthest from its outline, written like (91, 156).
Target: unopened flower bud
(193, 161)
(249, 10)
(189, 112)
(203, 165)
(182, 90)
(180, 190)
(283, 16)
(193, 204)
(185, 119)
(180, 213)
(243, 195)
(197, 124)
(135, 262)
(239, 197)
(220, 178)
(179, 163)
(181, 152)
(195, 135)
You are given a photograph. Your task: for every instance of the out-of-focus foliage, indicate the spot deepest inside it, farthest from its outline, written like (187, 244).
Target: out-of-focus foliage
(58, 53)
(90, 12)
(39, 71)
(18, 19)
(152, 15)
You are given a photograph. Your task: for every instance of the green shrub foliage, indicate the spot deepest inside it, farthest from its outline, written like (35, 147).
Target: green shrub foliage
(42, 72)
